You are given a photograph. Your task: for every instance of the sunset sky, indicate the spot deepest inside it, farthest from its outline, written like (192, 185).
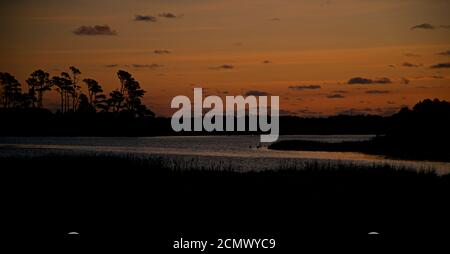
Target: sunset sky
(310, 53)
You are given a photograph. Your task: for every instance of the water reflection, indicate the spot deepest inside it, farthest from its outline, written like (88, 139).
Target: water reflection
(237, 152)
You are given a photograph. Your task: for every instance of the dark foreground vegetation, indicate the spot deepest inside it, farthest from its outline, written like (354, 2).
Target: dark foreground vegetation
(419, 134)
(115, 202)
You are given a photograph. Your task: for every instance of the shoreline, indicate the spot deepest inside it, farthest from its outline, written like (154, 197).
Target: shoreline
(391, 149)
(258, 161)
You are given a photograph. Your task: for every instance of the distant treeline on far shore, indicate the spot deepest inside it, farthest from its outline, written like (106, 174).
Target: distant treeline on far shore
(427, 118)
(418, 134)
(85, 110)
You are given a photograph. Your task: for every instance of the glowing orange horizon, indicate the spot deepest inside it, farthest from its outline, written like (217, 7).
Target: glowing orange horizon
(303, 51)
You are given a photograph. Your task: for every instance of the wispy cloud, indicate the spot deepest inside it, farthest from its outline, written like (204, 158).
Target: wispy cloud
(169, 15)
(411, 55)
(305, 87)
(335, 96)
(161, 51)
(444, 53)
(222, 67)
(386, 111)
(366, 81)
(340, 91)
(408, 64)
(429, 26)
(150, 66)
(137, 66)
(426, 26)
(355, 111)
(440, 66)
(94, 30)
(145, 18)
(377, 92)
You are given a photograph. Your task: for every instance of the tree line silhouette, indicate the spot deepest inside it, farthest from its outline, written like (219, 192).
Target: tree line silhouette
(420, 133)
(86, 110)
(126, 99)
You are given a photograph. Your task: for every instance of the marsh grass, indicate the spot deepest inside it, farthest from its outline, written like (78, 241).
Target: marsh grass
(121, 197)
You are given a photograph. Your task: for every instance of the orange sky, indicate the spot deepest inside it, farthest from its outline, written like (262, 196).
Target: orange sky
(288, 48)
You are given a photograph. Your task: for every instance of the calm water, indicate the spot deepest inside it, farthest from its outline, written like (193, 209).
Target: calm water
(238, 152)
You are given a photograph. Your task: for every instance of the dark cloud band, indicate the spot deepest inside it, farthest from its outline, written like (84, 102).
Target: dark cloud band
(145, 18)
(305, 87)
(440, 66)
(94, 30)
(367, 81)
